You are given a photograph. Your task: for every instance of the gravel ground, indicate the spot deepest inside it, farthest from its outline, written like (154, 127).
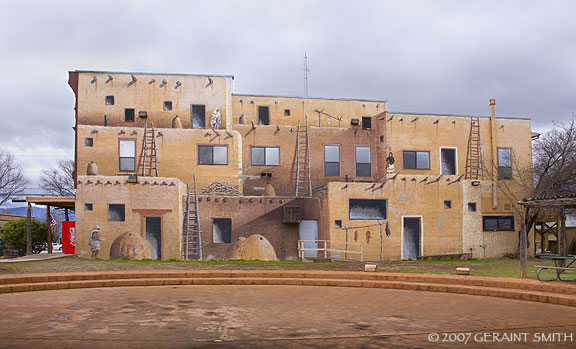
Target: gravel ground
(488, 267)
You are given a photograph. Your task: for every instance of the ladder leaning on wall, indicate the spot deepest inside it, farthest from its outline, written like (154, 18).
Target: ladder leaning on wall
(148, 160)
(474, 163)
(192, 235)
(303, 177)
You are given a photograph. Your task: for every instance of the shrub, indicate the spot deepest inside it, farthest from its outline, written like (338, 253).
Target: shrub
(14, 234)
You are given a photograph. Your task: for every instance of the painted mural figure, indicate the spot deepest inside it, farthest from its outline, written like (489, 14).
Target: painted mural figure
(95, 242)
(390, 163)
(216, 119)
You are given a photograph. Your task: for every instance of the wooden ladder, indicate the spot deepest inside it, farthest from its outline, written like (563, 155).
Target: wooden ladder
(303, 178)
(474, 163)
(148, 160)
(192, 235)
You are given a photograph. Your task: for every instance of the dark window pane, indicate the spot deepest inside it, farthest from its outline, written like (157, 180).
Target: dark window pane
(506, 223)
(504, 172)
(116, 212)
(499, 223)
(447, 204)
(205, 155)
(422, 160)
(88, 207)
(89, 142)
(127, 164)
(220, 155)
(490, 223)
(198, 116)
(167, 105)
(332, 168)
(263, 116)
(448, 161)
(109, 100)
(471, 207)
(367, 209)
(257, 156)
(363, 170)
(286, 112)
(366, 122)
(222, 230)
(129, 115)
(409, 159)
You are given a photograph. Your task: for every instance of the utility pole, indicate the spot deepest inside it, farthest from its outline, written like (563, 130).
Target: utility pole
(306, 70)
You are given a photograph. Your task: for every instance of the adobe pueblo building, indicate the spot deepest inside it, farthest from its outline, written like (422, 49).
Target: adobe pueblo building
(193, 169)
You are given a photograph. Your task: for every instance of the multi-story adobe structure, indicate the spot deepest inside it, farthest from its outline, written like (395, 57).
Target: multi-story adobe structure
(401, 185)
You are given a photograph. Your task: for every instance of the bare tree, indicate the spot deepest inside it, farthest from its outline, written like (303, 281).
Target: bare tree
(59, 180)
(12, 180)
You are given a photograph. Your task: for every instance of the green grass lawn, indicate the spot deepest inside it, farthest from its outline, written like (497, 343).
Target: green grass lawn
(478, 267)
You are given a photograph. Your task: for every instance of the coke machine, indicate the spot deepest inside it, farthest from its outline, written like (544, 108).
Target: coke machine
(68, 237)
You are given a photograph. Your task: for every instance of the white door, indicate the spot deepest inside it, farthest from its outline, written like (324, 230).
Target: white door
(309, 231)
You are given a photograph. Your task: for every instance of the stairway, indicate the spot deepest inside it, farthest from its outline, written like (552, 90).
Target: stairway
(192, 235)
(148, 161)
(303, 178)
(474, 170)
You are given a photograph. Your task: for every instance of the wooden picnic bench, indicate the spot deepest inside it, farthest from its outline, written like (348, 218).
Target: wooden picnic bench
(562, 264)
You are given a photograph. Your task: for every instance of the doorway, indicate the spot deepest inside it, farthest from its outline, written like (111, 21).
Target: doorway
(198, 116)
(154, 236)
(309, 231)
(411, 237)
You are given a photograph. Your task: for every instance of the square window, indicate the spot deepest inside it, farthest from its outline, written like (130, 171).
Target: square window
(447, 203)
(89, 142)
(129, 115)
(338, 224)
(167, 105)
(286, 112)
(116, 213)
(265, 156)
(222, 230)
(109, 100)
(366, 122)
(88, 207)
(417, 160)
(471, 207)
(212, 155)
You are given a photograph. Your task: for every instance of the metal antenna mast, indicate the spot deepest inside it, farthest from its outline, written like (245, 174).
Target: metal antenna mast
(306, 70)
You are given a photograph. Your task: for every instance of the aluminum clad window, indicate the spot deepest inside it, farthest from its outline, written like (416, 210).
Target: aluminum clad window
(498, 223)
(332, 160)
(416, 160)
(265, 156)
(504, 163)
(212, 155)
(127, 155)
(363, 162)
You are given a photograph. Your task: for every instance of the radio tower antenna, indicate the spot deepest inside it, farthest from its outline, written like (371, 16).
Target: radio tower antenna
(306, 70)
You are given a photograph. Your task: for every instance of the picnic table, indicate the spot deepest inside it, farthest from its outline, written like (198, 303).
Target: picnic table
(562, 264)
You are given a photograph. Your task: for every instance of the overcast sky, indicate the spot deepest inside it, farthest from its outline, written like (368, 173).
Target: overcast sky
(421, 56)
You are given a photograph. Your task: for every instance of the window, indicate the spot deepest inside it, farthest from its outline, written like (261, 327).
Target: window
(286, 112)
(116, 212)
(265, 156)
(498, 223)
(366, 122)
(504, 163)
(447, 203)
(212, 155)
(198, 116)
(367, 209)
(109, 100)
(222, 230)
(338, 224)
(129, 115)
(417, 160)
(471, 207)
(88, 207)
(89, 142)
(127, 155)
(263, 116)
(363, 164)
(448, 158)
(332, 160)
(167, 105)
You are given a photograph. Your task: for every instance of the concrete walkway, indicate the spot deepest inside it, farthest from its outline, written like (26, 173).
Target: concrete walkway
(276, 317)
(35, 257)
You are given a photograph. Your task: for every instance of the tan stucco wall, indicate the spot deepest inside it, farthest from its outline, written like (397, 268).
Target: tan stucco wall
(152, 196)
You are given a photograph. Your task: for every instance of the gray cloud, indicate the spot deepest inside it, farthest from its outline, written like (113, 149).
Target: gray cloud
(422, 56)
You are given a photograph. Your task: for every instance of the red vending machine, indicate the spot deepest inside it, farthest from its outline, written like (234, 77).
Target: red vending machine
(68, 237)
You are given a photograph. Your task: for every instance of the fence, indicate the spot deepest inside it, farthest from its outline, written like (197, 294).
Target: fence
(328, 249)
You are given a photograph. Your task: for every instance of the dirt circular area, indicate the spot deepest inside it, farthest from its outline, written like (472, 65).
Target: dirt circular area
(275, 317)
